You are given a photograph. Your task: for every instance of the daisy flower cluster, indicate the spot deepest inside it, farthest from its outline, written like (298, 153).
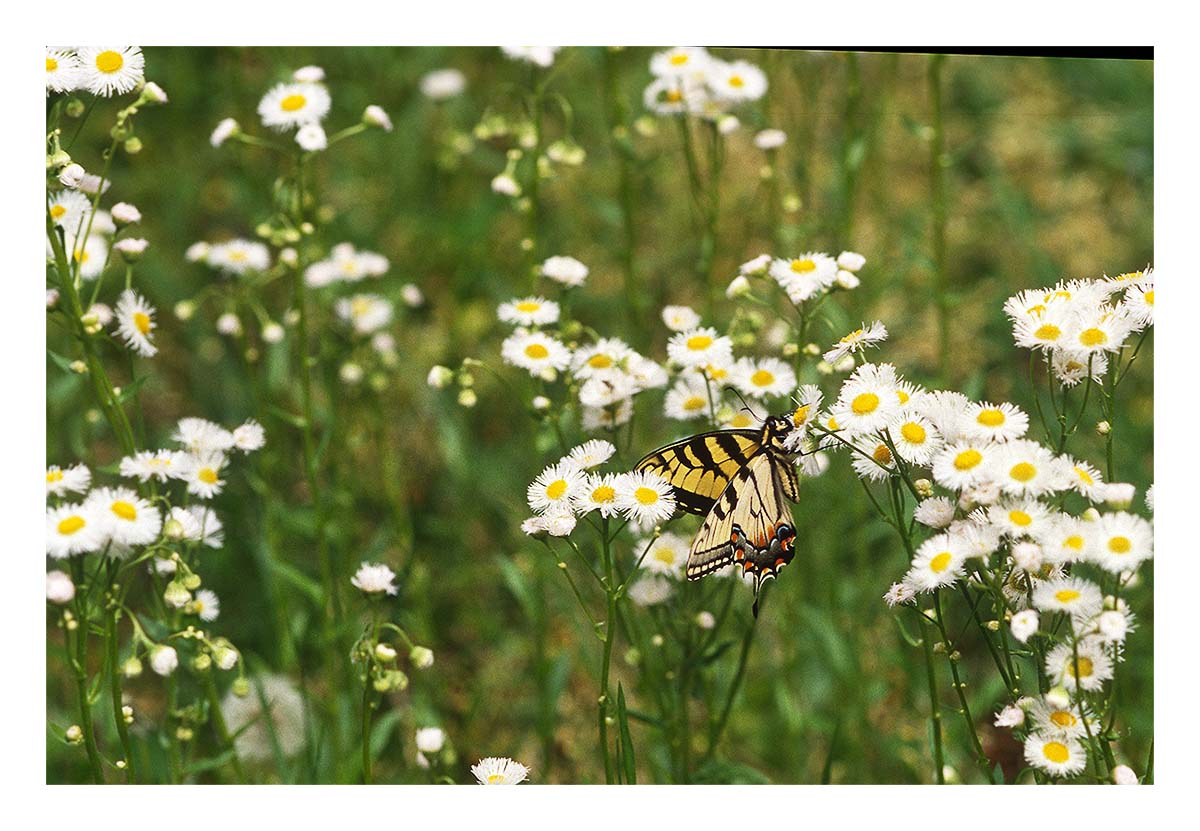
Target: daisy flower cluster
(103, 71)
(689, 80)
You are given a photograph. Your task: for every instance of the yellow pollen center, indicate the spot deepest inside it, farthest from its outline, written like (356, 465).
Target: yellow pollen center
(1063, 719)
(1149, 297)
(142, 321)
(646, 496)
(940, 563)
(800, 416)
(604, 493)
(913, 433)
(292, 103)
(1085, 667)
(1020, 518)
(762, 378)
(990, 418)
(832, 424)
(54, 475)
(207, 475)
(109, 61)
(699, 342)
(495, 778)
(664, 555)
(674, 96)
(851, 336)
(1093, 337)
(71, 524)
(736, 81)
(1048, 331)
(902, 396)
(1056, 752)
(1035, 310)
(1023, 471)
(967, 459)
(1074, 541)
(125, 510)
(528, 306)
(679, 60)
(740, 420)
(715, 373)
(864, 403)
(600, 362)
(882, 454)
(57, 211)
(1120, 545)
(694, 403)
(803, 266)
(556, 489)
(1066, 595)
(237, 255)
(51, 64)
(537, 351)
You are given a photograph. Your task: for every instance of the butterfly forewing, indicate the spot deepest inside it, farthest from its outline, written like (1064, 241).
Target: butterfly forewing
(701, 467)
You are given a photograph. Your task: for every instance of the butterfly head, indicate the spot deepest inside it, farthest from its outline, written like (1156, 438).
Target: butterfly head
(776, 429)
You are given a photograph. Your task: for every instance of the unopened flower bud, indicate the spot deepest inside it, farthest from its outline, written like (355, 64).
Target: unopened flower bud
(384, 652)
(541, 403)
(240, 687)
(176, 595)
(74, 734)
(421, 657)
(738, 287)
(1058, 698)
(72, 175)
(184, 733)
(467, 398)
(1124, 775)
(132, 667)
(202, 662)
(127, 714)
(924, 488)
(192, 581)
(440, 377)
(133, 145)
(1103, 428)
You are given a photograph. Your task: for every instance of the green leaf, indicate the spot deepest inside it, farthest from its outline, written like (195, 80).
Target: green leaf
(519, 586)
(626, 738)
(61, 361)
(299, 580)
(381, 731)
(204, 765)
(131, 389)
(291, 418)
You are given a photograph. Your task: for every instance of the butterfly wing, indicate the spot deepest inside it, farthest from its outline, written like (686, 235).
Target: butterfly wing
(700, 468)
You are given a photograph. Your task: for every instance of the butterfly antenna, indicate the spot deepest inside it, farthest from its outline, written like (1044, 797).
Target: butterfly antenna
(745, 406)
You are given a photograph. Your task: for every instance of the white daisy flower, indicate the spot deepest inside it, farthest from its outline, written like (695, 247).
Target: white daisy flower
(69, 209)
(1085, 479)
(205, 605)
(736, 81)
(1056, 755)
(204, 526)
(867, 401)
(915, 438)
(994, 422)
(878, 467)
(542, 56)
(59, 588)
(529, 311)
(680, 318)
(1010, 716)
(1064, 539)
(597, 493)
(938, 562)
(1138, 305)
(857, 341)
(688, 398)
(225, 129)
(238, 256)
(430, 740)
(1026, 468)
(202, 473)
(346, 264)
(1071, 367)
(606, 418)
(110, 70)
(1049, 329)
(650, 590)
(1112, 626)
(763, 377)
(770, 139)
(309, 74)
(565, 270)
(1024, 625)
(249, 436)
(935, 512)
(607, 388)
(311, 138)
(91, 256)
(1072, 595)
(945, 408)
(802, 277)
(700, 347)
(199, 436)
(645, 497)
(135, 322)
(72, 529)
(667, 555)
(604, 354)
(680, 61)
(292, 105)
(1020, 518)
(1094, 665)
(556, 487)
(1120, 542)
(1129, 278)
(535, 352)
(63, 70)
(1150, 498)
(164, 659)
(591, 453)
(1102, 331)
(124, 518)
(159, 465)
(646, 374)
(75, 479)
(899, 594)
(374, 579)
(365, 313)
(442, 84)
(499, 770)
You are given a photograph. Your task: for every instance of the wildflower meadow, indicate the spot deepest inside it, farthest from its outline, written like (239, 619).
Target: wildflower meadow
(373, 377)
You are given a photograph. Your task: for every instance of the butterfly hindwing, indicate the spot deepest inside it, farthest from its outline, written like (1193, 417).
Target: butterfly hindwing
(700, 468)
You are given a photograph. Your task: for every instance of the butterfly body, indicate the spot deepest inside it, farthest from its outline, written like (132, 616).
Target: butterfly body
(740, 481)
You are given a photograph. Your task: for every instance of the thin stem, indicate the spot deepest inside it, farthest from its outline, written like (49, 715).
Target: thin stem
(960, 688)
(222, 728)
(606, 661)
(79, 665)
(114, 676)
(718, 727)
(935, 713)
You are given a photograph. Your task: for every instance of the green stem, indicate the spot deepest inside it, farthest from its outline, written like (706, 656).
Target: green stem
(718, 728)
(606, 661)
(79, 666)
(961, 689)
(114, 675)
(219, 724)
(935, 713)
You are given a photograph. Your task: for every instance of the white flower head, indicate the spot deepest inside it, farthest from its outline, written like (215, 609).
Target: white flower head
(565, 270)
(441, 84)
(59, 587)
(225, 129)
(762, 377)
(374, 579)
(496, 770)
(1024, 624)
(1057, 756)
(700, 347)
(64, 71)
(935, 512)
(72, 529)
(311, 138)
(680, 318)
(75, 479)
(542, 56)
(529, 311)
(110, 70)
(591, 453)
(857, 341)
(556, 488)
(645, 497)
(770, 139)
(430, 740)
(164, 659)
(293, 104)
(135, 322)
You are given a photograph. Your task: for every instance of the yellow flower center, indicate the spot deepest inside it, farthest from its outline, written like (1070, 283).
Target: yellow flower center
(359, 306)
(1048, 331)
(851, 336)
(674, 96)
(1035, 310)
(740, 420)
(736, 81)
(913, 433)
(600, 361)
(645, 495)
(1120, 545)
(679, 59)
(715, 373)
(51, 64)
(1020, 518)
(495, 778)
(604, 493)
(990, 418)
(1063, 718)
(207, 475)
(1074, 542)
(57, 211)
(556, 489)
(940, 563)
(537, 351)
(800, 416)
(293, 102)
(109, 61)
(1085, 667)
(699, 342)
(528, 306)
(864, 403)
(967, 459)
(1066, 595)
(1084, 476)
(1129, 276)
(1023, 471)
(1056, 752)
(1149, 297)
(882, 454)
(54, 475)
(762, 378)
(664, 555)
(1093, 337)
(125, 510)
(69, 525)
(694, 403)
(803, 266)
(902, 396)
(142, 321)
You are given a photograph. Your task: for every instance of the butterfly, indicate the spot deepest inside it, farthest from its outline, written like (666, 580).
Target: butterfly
(739, 481)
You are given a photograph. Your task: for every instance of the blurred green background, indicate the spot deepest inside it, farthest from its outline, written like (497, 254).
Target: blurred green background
(1048, 173)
